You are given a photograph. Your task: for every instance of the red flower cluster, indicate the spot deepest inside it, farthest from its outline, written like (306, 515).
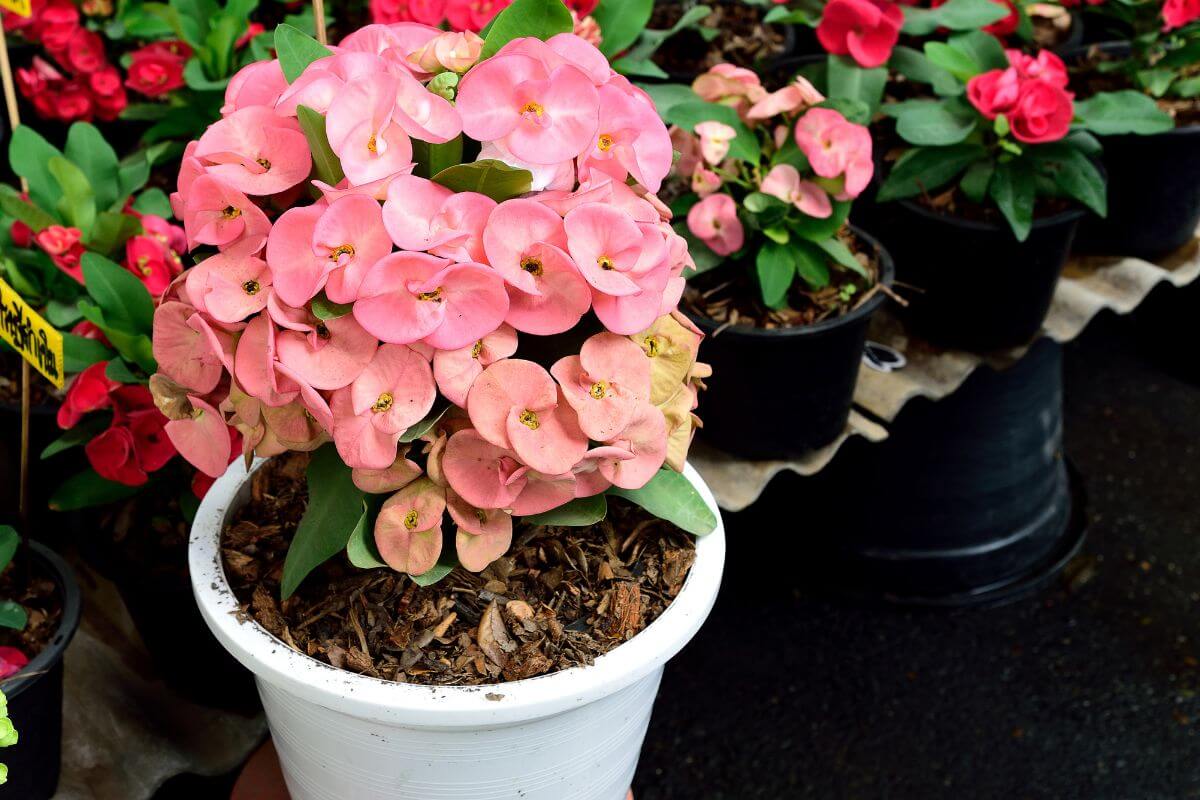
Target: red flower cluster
(91, 87)
(63, 245)
(1031, 94)
(134, 444)
(157, 68)
(1177, 13)
(865, 30)
(153, 255)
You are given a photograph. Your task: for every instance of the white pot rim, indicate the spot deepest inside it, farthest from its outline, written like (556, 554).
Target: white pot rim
(441, 706)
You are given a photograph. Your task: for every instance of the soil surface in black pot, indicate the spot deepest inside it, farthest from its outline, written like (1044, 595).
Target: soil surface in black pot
(27, 583)
(559, 598)
(742, 39)
(731, 296)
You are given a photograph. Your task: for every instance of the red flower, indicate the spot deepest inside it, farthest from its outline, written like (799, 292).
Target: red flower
(64, 247)
(169, 47)
(87, 330)
(154, 73)
(994, 92)
(865, 30)
(146, 258)
(112, 455)
(1044, 67)
(73, 102)
(1177, 13)
(150, 444)
(21, 234)
(134, 445)
(88, 392)
(252, 30)
(85, 52)
(1043, 113)
(12, 661)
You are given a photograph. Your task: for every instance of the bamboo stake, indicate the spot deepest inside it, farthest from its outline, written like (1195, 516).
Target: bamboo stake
(319, 21)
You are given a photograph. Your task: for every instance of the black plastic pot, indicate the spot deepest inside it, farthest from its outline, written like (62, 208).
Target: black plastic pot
(784, 391)
(35, 698)
(789, 45)
(1153, 190)
(975, 286)
(968, 501)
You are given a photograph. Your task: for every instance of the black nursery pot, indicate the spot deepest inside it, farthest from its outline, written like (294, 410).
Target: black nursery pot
(975, 286)
(35, 697)
(1153, 190)
(784, 392)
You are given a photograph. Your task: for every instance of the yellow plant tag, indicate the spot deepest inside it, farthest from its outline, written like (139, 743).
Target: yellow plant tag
(35, 339)
(22, 8)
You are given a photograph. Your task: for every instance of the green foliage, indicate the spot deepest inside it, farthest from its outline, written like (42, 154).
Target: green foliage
(326, 164)
(846, 81)
(86, 489)
(1014, 190)
(924, 169)
(933, 122)
(83, 432)
(445, 565)
(8, 734)
(671, 496)
(335, 507)
(1113, 113)
(637, 59)
(775, 266)
(579, 513)
(433, 158)
(122, 298)
(538, 18)
(621, 21)
(493, 178)
(687, 115)
(297, 50)
(957, 15)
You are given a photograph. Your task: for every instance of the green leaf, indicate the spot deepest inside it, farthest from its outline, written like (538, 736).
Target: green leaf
(325, 162)
(982, 48)
(83, 432)
(671, 496)
(419, 429)
(153, 201)
(650, 40)
(111, 230)
(956, 15)
(931, 122)
(117, 370)
(668, 95)
(335, 506)
(1074, 173)
(133, 172)
(29, 155)
(430, 159)
(325, 309)
(975, 182)
(62, 314)
(296, 50)
(135, 347)
(1014, 188)
(445, 565)
(639, 68)
(12, 205)
(620, 23)
(361, 549)
(838, 251)
(193, 75)
(953, 60)
(702, 255)
(775, 266)
(815, 229)
(578, 513)
(924, 169)
(913, 64)
(848, 81)
(537, 18)
(1126, 111)
(688, 115)
(9, 541)
(1186, 87)
(87, 489)
(1156, 81)
(12, 615)
(77, 203)
(88, 150)
(493, 178)
(812, 264)
(122, 297)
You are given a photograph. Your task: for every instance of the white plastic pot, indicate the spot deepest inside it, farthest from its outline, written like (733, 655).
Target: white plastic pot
(572, 735)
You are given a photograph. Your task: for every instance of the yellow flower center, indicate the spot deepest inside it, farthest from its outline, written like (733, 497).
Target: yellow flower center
(481, 515)
(533, 266)
(605, 142)
(529, 420)
(229, 212)
(251, 287)
(410, 519)
(652, 346)
(435, 295)
(599, 390)
(533, 108)
(383, 403)
(605, 262)
(142, 265)
(341, 250)
(262, 162)
(476, 349)
(371, 144)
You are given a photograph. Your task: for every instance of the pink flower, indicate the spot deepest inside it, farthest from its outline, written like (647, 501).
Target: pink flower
(456, 370)
(633, 139)
(363, 132)
(542, 116)
(728, 85)
(13, 660)
(705, 182)
(483, 534)
(256, 151)
(483, 474)
(422, 215)
(640, 450)
(401, 473)
(515, 405)
(1046, 66)
(393, 392)
(260, 83)
(865, 30)
(298, 271)
(715, 139)
(202, 439)
(835, 148)
(452, 51)
(995, 92)
(411, 297)
(1043, 113)
(606, 384)
(525, 242)
(349, 235)
(796, 96)
(256, 367)
(234, 286)
(330, 355)
(188, 350)
(714, 221)
(408, 530)
(1177, 13)
(783, 181)
(216, 213)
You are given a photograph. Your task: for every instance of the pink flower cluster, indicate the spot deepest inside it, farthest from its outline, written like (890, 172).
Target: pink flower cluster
(344, 319)
(1031, 93)
(838, 152)
(459, 15)
(91, 87)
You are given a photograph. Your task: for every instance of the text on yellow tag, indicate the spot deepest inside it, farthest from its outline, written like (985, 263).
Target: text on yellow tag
(35, 339)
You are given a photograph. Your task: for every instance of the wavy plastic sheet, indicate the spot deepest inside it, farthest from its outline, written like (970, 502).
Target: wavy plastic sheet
(125, 732)
(1088, 286)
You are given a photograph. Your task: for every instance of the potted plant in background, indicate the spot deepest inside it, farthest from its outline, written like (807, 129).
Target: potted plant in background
(397, 383)
(38, 618)
(993, 178)
(1152, 169)
(766, 181)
